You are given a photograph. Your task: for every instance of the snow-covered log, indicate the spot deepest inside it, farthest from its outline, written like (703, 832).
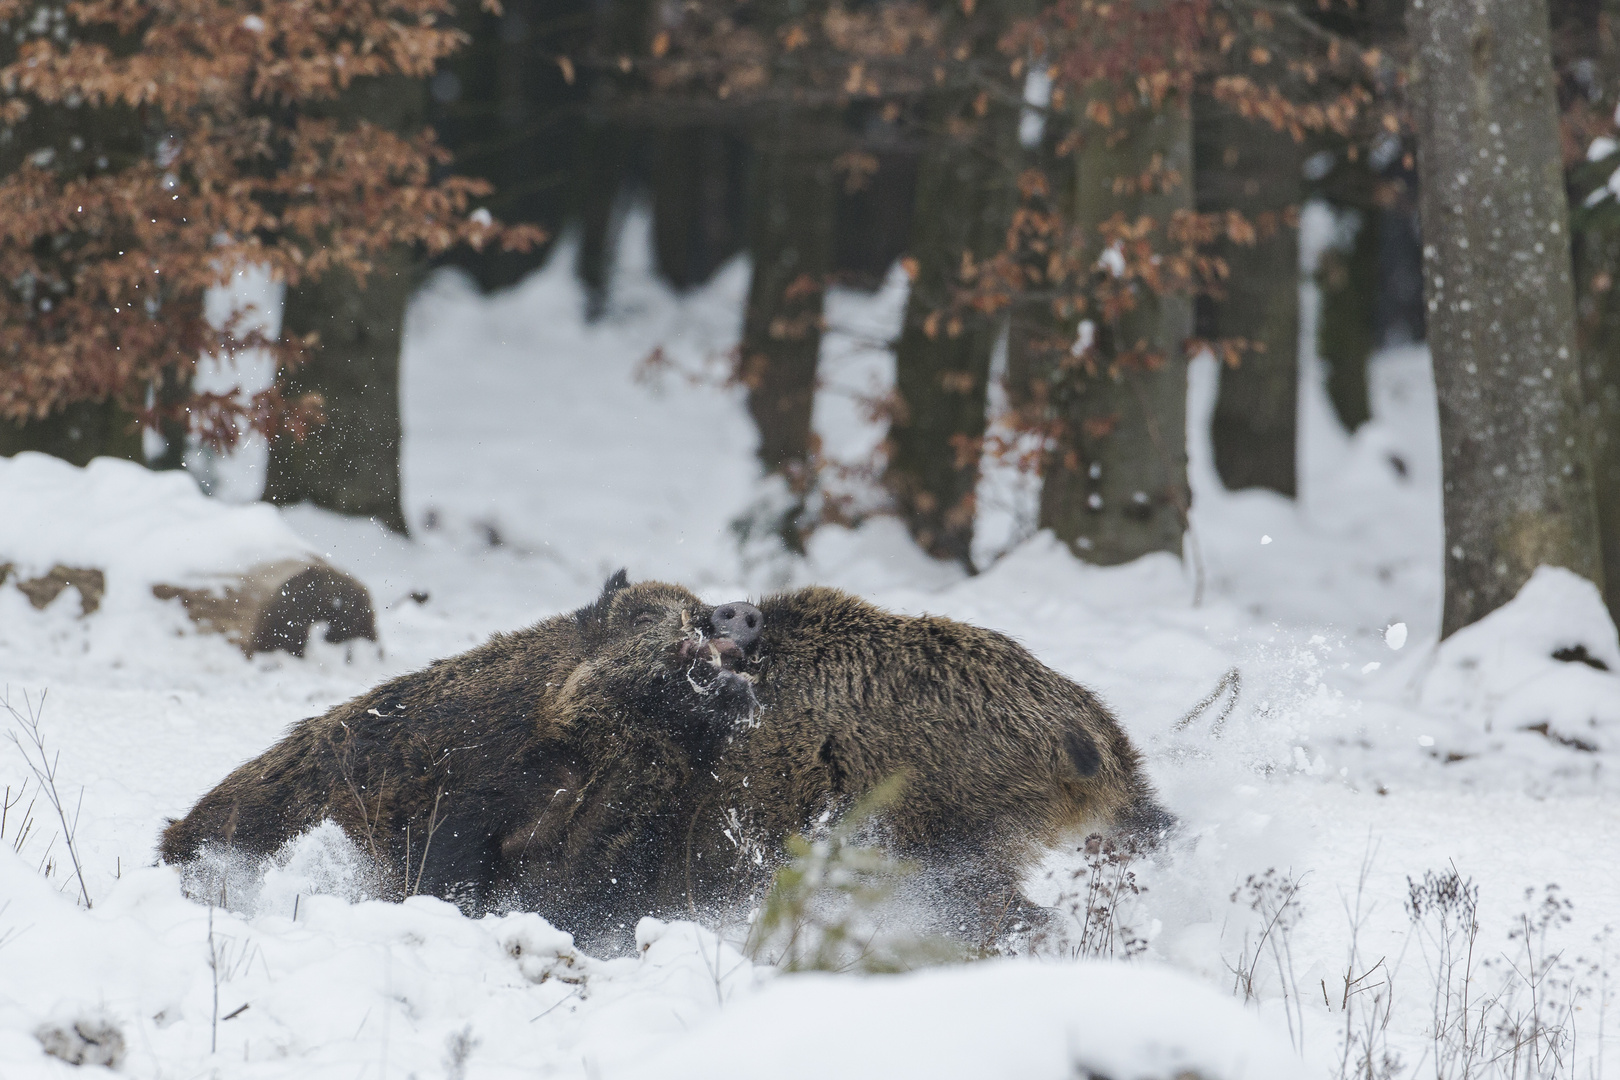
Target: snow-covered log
(125, 538)
(90, 585)
(273, 606)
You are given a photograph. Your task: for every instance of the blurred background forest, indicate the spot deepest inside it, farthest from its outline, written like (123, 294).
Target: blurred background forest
(1097, 188)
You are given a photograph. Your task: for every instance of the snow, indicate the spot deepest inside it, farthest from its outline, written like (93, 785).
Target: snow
(1502, 668)
(1085, 1019)
(139, 528)
(541, 453)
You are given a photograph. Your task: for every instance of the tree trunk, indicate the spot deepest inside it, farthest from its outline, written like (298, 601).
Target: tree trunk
(790, 238)
(1246, 166)
(74, 141)
(603, 164)
(1117, 487)
(620, 29)
(697, 202)
(1515, 459)
(966, 191)
(1600, 359)
(872, 220)
(349, 463)
(1598, 293)
(1348, 281)
(85, 430)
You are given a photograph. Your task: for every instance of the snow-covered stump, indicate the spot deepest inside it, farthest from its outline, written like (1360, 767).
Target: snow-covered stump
(273, 606)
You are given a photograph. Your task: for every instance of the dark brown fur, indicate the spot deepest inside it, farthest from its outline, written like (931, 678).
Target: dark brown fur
(533, 770)
(1001, 755)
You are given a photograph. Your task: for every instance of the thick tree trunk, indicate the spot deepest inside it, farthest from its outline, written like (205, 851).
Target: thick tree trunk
(350, 463)
(622, 29)
(88, 429)
(872, 221)
(1117, 488)
(1600, 360)
(1598, 293)
(790, 238)
(697, 186)
(1515, 458)
(1246, 166)
(74, 141)
(966, 191)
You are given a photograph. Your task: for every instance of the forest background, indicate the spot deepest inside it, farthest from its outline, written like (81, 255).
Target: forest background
(1105, 186)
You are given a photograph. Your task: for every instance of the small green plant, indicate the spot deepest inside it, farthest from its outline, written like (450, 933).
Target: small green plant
(824, 909)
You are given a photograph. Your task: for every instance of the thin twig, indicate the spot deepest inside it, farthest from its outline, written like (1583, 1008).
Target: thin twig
(1233, 679)
(45, 773)
(213, 967)
(433, 827)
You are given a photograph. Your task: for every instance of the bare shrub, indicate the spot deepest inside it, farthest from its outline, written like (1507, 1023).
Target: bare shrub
(1097, 898)
(1364, 999)
(227, 958)
(8, 934)
(1274, 896)
(17, 825)
(1512, 1015)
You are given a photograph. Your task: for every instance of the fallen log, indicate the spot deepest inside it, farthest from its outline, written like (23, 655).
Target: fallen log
(90, 584)
(118, 534)
(274, 605)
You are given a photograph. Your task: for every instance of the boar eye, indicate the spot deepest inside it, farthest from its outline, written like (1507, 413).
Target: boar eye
(645, 618)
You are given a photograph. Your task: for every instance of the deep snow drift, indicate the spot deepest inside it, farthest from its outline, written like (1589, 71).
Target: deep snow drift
(540, 456)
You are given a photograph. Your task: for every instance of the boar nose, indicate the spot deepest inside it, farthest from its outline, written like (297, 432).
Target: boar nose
(739, 622)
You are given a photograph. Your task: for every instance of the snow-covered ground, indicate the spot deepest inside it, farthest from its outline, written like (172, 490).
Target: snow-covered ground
(541, 455)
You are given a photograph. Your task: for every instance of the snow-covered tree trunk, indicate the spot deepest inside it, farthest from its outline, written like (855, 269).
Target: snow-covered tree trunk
(1118, 489)
(1515, 459)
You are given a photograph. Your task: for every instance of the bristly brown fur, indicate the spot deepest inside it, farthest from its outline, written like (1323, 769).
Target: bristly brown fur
(591, 769)
(538, 770)
(1001, 754)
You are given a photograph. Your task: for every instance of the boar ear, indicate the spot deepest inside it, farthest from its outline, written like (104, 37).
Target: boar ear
(592, 614)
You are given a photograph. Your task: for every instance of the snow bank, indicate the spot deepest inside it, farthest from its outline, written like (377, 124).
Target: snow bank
(137, 526)
(1020, 1020)
(1543, 666)
(391, 987)
(313, 985)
